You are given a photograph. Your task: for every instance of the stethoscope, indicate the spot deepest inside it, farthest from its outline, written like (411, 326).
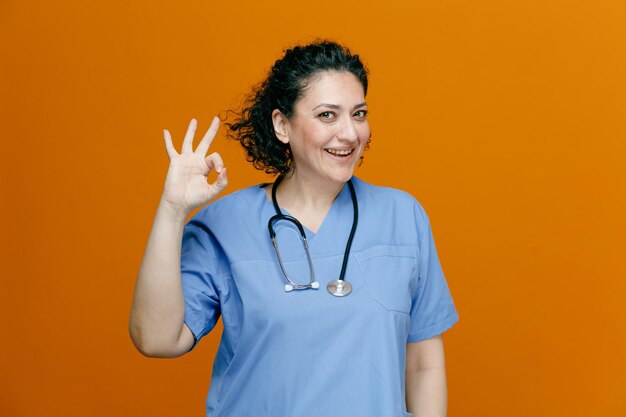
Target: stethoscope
(338, 287)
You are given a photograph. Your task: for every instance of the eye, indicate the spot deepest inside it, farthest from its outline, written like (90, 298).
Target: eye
(326, 115)
(360, 114)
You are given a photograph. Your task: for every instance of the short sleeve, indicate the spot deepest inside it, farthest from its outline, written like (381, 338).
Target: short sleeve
(198, 265)
(432, 308)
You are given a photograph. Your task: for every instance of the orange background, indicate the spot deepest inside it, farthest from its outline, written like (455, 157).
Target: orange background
(505, 119)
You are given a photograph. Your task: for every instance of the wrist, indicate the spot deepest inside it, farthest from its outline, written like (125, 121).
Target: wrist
(178, 213)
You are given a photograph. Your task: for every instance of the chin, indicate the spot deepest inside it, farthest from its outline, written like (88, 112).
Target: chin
(342, 177)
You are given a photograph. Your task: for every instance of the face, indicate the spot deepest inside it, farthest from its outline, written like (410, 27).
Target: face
(328, 129)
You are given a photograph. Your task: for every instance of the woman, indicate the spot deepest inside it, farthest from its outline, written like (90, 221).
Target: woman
(346, 321)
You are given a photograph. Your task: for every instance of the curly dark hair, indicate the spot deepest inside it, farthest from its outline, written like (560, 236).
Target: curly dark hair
(285, 84)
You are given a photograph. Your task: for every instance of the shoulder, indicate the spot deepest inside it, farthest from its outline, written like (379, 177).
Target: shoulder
(379, 191)
(230, 206)
(398, 210)
(389, 198)
(395, 214)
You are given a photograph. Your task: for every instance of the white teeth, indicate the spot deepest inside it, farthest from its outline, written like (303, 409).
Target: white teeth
(338, 152)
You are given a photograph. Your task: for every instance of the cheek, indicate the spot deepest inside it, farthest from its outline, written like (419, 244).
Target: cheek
(364, 132)
(317, 137)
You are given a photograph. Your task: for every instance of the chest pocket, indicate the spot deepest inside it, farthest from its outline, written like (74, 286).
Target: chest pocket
(390, 273)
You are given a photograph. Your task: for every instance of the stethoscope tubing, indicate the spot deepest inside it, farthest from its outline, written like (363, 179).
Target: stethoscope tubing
(355, 221)
(280, 216)
(293, 220)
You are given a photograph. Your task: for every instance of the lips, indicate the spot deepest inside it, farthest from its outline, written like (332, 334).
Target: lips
(339, 152)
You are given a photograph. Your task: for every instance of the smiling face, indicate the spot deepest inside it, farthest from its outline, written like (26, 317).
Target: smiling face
(328, 129)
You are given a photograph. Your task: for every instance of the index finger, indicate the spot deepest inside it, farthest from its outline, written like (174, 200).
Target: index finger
(206, 141)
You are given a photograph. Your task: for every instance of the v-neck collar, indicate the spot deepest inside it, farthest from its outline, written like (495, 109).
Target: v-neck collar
(338, 202)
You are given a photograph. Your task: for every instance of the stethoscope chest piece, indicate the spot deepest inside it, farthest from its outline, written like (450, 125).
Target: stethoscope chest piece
(339, 288)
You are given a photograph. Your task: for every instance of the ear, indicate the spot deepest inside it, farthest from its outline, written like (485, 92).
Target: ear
(280, 126)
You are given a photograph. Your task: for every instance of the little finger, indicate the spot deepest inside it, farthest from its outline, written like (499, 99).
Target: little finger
(169, 146)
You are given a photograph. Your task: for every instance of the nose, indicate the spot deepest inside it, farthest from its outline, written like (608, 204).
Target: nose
(348, 131)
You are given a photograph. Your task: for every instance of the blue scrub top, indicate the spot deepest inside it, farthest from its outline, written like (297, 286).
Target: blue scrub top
(307, 353)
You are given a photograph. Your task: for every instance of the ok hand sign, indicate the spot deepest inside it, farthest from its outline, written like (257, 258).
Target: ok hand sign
(186, 184)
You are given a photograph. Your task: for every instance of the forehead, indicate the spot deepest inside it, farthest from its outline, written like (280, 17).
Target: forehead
(332, 87)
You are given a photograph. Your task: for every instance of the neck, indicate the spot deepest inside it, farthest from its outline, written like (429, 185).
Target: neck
(298, 193)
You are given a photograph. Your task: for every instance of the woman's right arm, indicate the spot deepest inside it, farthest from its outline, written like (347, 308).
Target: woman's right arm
(157, 313)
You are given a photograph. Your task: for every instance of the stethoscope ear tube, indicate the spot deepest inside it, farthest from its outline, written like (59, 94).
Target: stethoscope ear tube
(291, 284)
(339, 287)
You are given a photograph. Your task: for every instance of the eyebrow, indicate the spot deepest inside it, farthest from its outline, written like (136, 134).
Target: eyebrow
(338, 107)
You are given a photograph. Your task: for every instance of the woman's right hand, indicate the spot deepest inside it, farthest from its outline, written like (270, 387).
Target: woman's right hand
(186, 184)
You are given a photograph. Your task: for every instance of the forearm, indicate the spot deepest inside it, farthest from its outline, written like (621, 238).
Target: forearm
(426, 392)
(158, 307)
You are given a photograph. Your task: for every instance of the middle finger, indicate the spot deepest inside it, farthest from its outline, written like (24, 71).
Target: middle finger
(206, 141)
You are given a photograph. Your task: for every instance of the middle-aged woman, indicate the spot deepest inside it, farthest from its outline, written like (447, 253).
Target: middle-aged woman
(343, 316)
